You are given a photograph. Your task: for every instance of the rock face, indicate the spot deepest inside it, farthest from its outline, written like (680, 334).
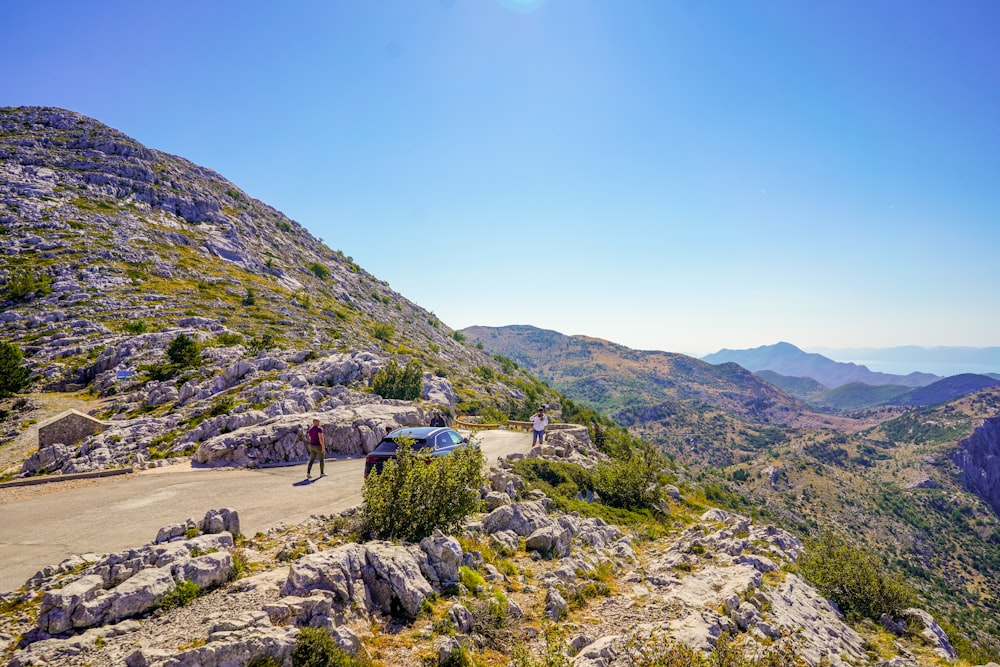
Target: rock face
(978, 456)
(131, 247)
(132, 582)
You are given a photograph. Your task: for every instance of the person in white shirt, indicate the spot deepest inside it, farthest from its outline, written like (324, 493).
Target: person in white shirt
(538, 423)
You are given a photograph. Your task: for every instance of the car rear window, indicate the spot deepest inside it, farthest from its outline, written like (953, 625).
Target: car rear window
(389, 446)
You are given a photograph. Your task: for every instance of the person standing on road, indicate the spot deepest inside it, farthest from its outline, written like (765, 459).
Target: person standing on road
(538, 423)
(437, 419)
(317, 449)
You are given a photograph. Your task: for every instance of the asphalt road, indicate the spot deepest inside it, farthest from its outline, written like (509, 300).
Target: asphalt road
(127, 511)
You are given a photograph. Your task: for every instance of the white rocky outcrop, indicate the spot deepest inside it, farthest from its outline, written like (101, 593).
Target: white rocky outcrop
(351, 430)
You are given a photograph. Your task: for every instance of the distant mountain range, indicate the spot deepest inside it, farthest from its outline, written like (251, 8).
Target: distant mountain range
(613, 378)
(861, 396)
(786, 359)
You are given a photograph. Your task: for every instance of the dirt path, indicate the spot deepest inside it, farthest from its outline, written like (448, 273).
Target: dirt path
(47, 406)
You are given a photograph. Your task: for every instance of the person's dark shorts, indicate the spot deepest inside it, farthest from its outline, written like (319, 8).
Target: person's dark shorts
(537, 436)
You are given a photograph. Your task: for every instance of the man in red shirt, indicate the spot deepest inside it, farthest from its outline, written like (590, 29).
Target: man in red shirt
(317, 448)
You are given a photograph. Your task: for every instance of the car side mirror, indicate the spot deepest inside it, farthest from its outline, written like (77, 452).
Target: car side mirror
(465, 440)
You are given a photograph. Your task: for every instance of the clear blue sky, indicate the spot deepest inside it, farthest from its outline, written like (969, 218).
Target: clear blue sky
(682, 175)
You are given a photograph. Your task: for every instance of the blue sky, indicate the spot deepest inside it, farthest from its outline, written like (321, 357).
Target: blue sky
(683, 176)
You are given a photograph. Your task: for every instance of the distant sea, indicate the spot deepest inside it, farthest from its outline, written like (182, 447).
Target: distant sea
(937, 368)
(940, 361)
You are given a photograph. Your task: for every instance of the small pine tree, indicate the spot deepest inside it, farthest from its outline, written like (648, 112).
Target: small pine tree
(13, 375)
(183, 351)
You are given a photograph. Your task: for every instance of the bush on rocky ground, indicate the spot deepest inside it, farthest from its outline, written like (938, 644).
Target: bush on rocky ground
(315, 647)
(854, 578)
(401, 382)
(657, 651)
(413, 495)
(631, 482)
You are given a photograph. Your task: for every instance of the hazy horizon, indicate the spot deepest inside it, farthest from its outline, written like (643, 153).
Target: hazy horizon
(675, 176)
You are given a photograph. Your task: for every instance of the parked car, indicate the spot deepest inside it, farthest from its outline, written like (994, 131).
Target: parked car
(428, 440)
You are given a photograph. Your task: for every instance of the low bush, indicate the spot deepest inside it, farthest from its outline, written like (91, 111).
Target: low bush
(632, 482)
(24, 285)
(259, 344)
(135, 327)
(413, 495)
(319, 270)
(186, 592)
(658, 651)
(315, 647)
(183, 351)
(853, 577)
(405, 383)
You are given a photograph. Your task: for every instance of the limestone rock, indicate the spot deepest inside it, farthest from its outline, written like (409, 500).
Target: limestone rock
(551, 541)
(521, 518)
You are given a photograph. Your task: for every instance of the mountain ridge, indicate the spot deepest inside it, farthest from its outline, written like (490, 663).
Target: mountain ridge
(787, 359)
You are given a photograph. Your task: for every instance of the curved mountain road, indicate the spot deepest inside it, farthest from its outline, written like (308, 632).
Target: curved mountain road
(123, 512)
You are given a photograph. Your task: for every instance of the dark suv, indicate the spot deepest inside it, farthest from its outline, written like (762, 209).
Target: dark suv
(428, 440)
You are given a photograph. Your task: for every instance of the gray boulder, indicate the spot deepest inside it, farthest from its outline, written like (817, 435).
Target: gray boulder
(140, 593)
(551, 541)
(521, 518)
(444, 555)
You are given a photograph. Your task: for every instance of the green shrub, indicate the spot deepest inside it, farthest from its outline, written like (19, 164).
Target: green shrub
(471, 579)
(491, 621)
(383, 331)
(404, 383)
(186, 592)
(13, 375)
(319, 270)
(135, 327)
(222, 404)
(658, 651)
(633, 482)
(228, 338)
(458, 335)
(854, 578)
(249, 299)
(184, 351)
(413, 495)
(259, 344)
(25, 284)
(315, 647)
(264, 661)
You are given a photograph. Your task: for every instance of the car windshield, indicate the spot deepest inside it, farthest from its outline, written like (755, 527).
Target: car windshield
(389, 446)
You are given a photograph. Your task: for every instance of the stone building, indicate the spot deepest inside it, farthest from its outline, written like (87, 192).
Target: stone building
(69, 428)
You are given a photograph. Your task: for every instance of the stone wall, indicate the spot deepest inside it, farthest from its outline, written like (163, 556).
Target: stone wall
(69, 428)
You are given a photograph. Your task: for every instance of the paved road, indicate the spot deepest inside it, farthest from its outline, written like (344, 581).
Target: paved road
(126, 511)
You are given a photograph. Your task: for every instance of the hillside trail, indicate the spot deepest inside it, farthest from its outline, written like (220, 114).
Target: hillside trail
(46, 406)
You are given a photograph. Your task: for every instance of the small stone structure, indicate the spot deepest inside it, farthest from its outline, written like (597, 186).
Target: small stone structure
(69, 428)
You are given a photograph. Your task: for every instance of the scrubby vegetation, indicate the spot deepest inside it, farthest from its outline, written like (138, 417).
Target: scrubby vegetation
(183, 351)
(25, 284)
(855, 578)
(413, 495)
(14, 376)
(315, 647)
(404, 383)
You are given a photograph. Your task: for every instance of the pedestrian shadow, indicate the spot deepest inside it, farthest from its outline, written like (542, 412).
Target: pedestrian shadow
(306, 482)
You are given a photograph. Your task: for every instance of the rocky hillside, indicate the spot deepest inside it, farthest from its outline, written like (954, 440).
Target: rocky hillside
(113, 250)
(786, 359)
